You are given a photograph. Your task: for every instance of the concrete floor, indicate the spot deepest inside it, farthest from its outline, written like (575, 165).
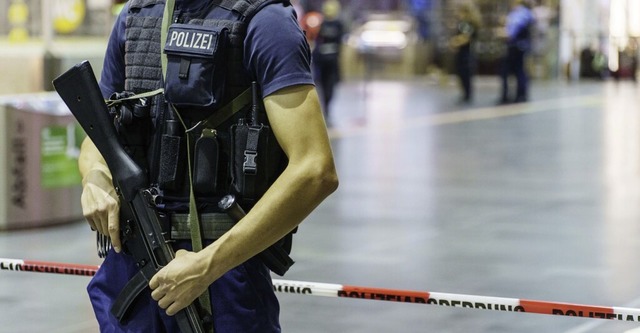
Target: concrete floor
(539, 200)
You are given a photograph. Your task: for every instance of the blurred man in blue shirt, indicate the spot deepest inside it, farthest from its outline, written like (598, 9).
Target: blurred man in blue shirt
(519, 23)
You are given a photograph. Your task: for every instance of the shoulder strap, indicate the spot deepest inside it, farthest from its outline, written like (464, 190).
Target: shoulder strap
(166, 21)
(227, 111)
(143, 3)
(194, 220)
(248, 8)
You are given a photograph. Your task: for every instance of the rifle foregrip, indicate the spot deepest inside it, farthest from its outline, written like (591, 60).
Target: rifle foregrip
(79, 90)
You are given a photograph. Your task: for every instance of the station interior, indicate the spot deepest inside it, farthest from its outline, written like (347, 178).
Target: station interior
(536, 200)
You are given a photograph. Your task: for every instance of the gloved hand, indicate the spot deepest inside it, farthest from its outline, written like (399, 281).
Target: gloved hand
(101, 206)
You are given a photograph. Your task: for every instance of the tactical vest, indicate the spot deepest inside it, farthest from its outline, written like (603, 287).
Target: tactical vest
(143, 73)
(246, 156)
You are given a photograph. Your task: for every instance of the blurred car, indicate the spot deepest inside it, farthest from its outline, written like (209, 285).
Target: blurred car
(386, 36)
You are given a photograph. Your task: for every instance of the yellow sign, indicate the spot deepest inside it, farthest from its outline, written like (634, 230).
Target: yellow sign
(18, 15)
(68, 15)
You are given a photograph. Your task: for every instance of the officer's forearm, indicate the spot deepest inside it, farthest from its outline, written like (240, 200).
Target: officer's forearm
(310, 176)
(296, 193)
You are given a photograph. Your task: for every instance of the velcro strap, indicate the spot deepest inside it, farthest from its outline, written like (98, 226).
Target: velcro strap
(214, 225)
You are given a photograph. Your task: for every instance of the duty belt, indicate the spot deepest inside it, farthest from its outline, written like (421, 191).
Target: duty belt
(214, 225)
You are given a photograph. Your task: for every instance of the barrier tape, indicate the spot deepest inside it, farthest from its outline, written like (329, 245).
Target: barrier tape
(381, 294)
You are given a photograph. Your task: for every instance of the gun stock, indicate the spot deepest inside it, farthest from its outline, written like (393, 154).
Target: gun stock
(79, 90)
(140, 226)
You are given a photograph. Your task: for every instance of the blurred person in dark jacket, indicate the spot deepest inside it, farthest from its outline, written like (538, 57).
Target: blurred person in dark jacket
(468, 24)
(326, 53)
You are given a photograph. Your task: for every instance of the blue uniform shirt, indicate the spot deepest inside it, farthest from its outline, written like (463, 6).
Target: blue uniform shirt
(276, 52)
(519, 21)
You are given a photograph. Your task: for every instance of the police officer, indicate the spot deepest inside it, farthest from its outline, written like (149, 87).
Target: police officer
(275, 54)
(468, 24)
(326, 53)
(519, 23)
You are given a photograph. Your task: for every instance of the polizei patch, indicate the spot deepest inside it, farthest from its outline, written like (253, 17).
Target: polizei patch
(192, 40)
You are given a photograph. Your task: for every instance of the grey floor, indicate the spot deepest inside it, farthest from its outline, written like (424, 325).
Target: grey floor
(538, 200)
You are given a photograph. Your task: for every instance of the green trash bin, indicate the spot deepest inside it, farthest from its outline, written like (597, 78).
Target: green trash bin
(39, 173)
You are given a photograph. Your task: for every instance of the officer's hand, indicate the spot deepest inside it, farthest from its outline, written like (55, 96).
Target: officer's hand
(100, 205)
(180, 282)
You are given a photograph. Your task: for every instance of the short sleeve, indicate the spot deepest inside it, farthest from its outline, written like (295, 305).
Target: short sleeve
(112, 76)
(276, 51)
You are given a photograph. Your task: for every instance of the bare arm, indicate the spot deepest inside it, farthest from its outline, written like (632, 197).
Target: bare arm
(308, 179)
(310, 176)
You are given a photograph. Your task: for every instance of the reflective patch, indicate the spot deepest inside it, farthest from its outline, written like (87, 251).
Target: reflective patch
(196, 72)
(192, 40)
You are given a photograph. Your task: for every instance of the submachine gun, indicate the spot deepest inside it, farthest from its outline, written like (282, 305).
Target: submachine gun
(141, 231)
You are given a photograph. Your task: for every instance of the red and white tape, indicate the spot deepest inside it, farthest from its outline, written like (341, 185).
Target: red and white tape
(381, 294)
(47, 267)
(458, 300)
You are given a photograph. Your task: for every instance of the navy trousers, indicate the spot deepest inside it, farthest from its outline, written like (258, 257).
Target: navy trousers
(514, 64)
(242, 300)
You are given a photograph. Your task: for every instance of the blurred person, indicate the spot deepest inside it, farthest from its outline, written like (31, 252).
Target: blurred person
(420, 10)
(326, 53)
(517, 32)
(468, 23)
(226, 268)
(310, 23)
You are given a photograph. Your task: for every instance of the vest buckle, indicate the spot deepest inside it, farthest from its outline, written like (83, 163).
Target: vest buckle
(249, 166)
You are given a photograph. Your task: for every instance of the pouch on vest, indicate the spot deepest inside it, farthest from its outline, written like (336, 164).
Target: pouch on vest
(257, 160)
(172, 153)
(256, 157)
(205, 165)
(195, 66)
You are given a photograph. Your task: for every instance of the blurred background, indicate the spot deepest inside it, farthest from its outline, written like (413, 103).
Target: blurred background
(41, 38)
(531, 200)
